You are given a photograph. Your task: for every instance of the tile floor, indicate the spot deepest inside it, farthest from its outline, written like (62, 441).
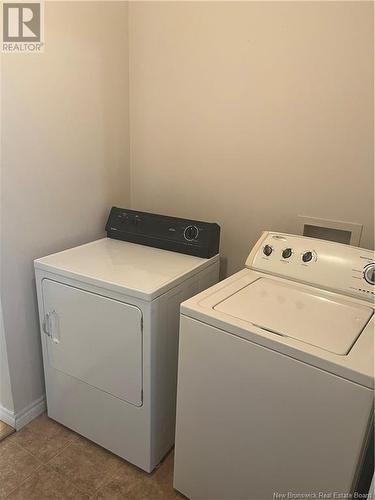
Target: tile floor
(5, 430)
(46, 461)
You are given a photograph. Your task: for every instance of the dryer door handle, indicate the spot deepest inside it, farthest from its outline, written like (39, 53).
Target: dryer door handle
(46, 325)
(54, 327)
(51, 326)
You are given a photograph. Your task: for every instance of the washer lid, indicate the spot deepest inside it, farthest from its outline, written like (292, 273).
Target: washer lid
(315, 318)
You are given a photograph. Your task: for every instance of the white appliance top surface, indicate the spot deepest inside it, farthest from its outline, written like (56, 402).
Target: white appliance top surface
(139, 270)
(327, 330)
(307, 315)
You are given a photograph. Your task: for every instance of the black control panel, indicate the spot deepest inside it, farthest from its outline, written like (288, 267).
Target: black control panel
(187, 236)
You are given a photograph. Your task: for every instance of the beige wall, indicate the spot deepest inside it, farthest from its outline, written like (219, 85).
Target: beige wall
(252, 113)
(6, 398)
(244, 113)
(64, 159)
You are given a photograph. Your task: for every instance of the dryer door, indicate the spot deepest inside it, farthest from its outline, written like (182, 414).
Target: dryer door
(95, 339)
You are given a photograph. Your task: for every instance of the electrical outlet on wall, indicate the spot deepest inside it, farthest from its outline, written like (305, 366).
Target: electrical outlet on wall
(332, 230)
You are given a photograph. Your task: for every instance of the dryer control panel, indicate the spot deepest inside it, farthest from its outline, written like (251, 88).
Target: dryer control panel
(333, 266)
(187, 236)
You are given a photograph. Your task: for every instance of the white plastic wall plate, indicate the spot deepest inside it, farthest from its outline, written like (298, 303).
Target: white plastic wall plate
(353, 228)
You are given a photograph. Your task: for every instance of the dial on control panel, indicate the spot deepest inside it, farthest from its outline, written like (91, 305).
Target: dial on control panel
(369, 274)
(191, 233)
(287, 253)
(307, 256)
(267, 250)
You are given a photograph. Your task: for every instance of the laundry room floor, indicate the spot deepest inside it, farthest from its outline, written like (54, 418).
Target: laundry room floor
(5, 430)
(45, 460)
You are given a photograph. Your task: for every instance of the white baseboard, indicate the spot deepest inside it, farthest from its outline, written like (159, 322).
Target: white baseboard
(30, 412)
(7, 416)
(23, 417)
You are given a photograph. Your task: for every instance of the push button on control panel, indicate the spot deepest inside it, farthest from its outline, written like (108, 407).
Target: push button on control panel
(287, 253)
(267, 250)
(122, 217)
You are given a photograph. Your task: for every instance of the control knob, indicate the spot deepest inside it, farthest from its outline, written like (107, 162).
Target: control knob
(307, 256)
(191, 233)
(369, 274)
(287, 253)
(267, 250)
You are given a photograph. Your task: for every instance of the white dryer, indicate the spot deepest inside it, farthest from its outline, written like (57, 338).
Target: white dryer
(275, 376)
(109, 312)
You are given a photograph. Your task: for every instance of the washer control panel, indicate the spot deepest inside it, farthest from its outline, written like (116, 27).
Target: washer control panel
(330, 265)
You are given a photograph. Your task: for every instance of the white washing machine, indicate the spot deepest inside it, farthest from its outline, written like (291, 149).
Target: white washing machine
(275, 376)
(109, 312)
